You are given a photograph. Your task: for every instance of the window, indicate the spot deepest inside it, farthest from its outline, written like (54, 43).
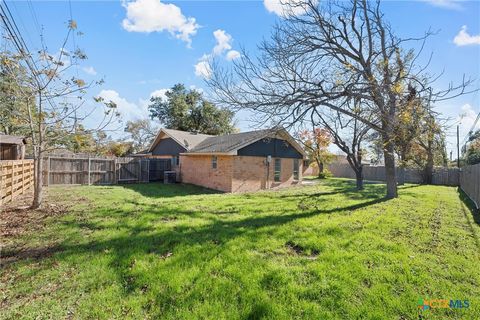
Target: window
(295, 169)
(278, 169)
(214, 162)
(175, 161)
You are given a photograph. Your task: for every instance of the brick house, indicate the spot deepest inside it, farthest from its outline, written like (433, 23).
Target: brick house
(240, 162)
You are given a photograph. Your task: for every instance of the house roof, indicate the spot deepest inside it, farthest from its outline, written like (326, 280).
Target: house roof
(8, 139)
(188, 140)
(230, 143)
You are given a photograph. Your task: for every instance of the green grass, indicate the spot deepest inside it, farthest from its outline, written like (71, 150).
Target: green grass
(181, 252)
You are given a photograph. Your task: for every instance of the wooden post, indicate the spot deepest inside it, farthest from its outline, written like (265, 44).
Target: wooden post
(23, 176)
(11, 185)
(88, 170)
(114, 171)
(48, 171)
(139, 177)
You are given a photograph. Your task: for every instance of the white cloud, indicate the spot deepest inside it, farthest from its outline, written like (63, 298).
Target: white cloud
(153, 15)
(466, 118)
(232, 55)
(284, 8)
(90, 70)
(223, 42)
(160, 93)
(447, 4)
(128, 110)
(463, 38)
(202, 68)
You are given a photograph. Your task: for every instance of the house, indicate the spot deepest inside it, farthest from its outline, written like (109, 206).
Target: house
(239, 162)
(12, 147)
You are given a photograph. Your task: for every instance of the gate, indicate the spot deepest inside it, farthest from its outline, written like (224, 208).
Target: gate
(158, 167)
(130, 171)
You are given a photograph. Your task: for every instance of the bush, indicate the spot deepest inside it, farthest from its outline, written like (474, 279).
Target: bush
(325, 174)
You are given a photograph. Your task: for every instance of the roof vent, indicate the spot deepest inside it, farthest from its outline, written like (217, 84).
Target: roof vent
(185, 142)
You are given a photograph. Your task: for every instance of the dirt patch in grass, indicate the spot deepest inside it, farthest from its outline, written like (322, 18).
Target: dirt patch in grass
(16, 218)
(296, 249)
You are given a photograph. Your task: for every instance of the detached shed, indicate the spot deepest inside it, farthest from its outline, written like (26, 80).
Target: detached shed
(12, 147)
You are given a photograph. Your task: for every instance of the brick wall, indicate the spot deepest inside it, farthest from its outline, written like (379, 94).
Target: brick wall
(197, 169)
(250, 174)
(236, 173)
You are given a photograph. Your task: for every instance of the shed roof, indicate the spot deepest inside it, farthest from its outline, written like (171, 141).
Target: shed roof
(8, 139)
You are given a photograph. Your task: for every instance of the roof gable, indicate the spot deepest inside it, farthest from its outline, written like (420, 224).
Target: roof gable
(187, 140)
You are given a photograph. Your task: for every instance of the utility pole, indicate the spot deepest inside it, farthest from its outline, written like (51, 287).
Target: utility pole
(458, 146)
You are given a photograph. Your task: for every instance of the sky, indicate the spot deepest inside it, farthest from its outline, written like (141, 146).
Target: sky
(143, 47)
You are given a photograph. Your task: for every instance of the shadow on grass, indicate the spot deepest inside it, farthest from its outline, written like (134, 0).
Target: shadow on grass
(473, 211)
(161, 190)
(145, 239)
(470, 205)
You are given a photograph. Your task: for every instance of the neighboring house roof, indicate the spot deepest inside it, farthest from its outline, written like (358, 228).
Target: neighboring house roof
(188, 140)
(230, 143)
(8, 139)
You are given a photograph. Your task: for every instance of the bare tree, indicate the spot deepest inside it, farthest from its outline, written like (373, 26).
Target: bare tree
(59, 104)
(335, 52)
(349, 135)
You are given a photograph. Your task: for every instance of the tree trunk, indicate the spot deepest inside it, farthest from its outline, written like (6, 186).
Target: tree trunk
(38, 183)
(359, 177)
(429, 169)
(390, 174)
(320, 168)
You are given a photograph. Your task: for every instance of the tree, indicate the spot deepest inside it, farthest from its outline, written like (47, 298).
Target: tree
(316, 143)
(59, 104)
(188, 110)
(141, 132)
(335, 52)
(432, 142)
(473, 150)
(13, 98)
(348, 135)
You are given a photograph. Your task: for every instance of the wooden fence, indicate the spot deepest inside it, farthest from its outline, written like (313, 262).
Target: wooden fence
(470, 182)
(16, 177)
(441, 176)
(79, 170)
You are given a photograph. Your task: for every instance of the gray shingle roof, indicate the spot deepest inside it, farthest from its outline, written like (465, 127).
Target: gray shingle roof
(187, 139)
(229, 142)
(11, 139)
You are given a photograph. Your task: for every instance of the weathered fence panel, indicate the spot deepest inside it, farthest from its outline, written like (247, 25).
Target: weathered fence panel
(80, 170)
(470, 182)
(62, 170)
(16, 177)
(441, 176)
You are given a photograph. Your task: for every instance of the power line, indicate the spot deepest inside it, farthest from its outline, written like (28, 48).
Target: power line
(19, 42)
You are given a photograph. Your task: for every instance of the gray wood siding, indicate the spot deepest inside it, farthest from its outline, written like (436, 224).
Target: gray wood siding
(167, 147)
(276, 148)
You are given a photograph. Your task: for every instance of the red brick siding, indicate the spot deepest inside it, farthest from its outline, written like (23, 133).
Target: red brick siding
(197, 169)
(250, 174)
(236, 173)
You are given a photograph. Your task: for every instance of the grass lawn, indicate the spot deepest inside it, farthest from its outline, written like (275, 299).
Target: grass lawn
(181, 252)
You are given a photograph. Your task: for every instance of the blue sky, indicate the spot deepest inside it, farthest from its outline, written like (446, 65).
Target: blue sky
(143, 47)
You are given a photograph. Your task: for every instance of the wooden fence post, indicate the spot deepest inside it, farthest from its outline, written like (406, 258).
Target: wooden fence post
(88, 170)
(23, 176)
(114, 171)
(49, 167)
(13, 175)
